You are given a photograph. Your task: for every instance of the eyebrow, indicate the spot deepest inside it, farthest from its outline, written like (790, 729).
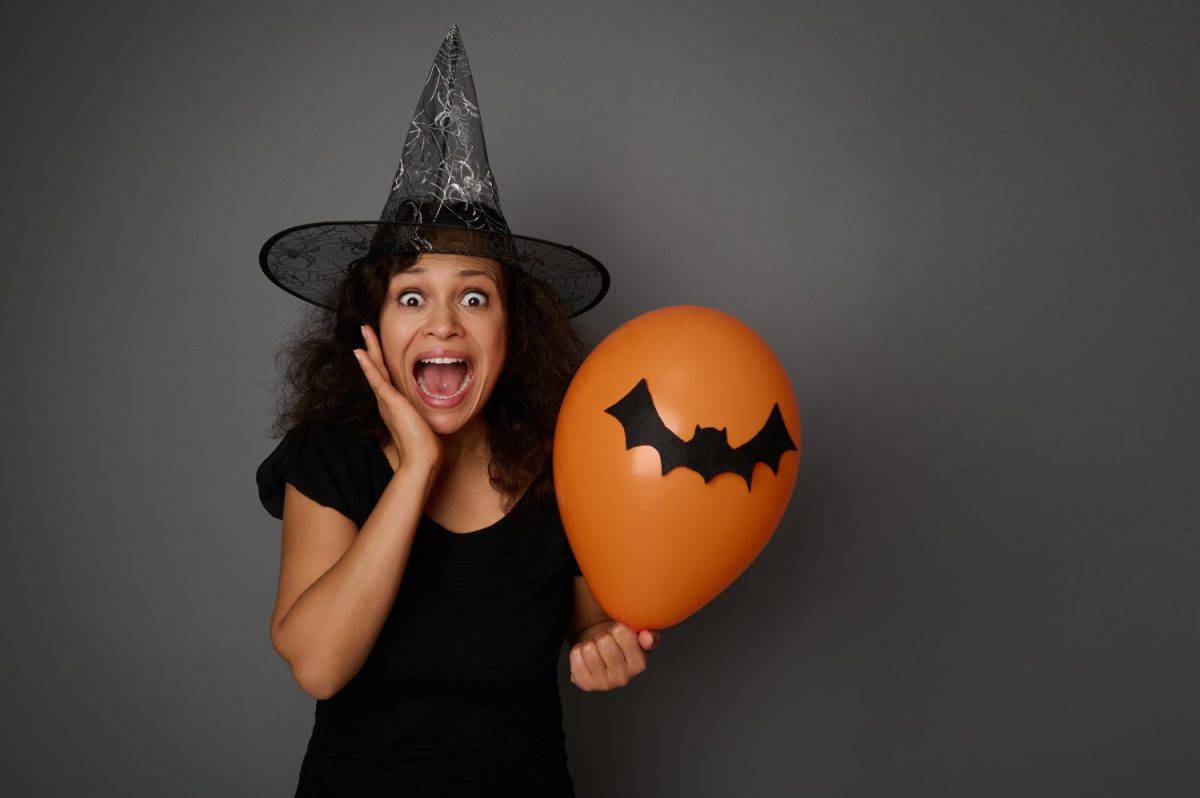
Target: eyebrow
(461, 272)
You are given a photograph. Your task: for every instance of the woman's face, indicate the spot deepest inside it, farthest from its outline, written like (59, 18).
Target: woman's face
(445, 306)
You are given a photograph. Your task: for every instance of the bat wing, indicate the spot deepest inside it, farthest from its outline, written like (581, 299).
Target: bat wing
(644, 426)
(767, 446)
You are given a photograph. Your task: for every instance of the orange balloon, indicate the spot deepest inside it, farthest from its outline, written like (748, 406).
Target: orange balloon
(686, 387)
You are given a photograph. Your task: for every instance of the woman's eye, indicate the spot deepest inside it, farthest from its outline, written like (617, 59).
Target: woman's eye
(413, 299)
(481, 302)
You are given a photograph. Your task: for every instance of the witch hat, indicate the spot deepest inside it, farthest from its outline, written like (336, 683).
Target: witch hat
(443, 199)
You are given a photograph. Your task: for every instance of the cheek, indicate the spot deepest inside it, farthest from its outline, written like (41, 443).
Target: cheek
(492, 340)
(498, 357)
(395, 367)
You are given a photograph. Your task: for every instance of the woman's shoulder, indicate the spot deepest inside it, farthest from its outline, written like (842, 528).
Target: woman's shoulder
(331, 442)
(331, 462)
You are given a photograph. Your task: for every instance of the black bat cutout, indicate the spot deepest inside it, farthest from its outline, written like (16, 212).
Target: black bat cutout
(708, 452)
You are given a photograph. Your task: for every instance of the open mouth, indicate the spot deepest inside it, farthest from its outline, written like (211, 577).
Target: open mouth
(443, 379)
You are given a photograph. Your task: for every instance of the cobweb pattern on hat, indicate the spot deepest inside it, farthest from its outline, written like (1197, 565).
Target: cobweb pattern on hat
(444, 175)
(443, 198)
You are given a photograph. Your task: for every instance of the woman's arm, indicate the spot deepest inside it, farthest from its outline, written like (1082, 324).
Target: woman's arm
(337, 583)
(588, 618)
(605, 654)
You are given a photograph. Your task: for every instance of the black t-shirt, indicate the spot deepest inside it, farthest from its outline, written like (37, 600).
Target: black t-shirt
(459, 695)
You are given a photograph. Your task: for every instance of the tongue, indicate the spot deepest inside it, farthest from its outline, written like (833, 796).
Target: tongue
(443, 378)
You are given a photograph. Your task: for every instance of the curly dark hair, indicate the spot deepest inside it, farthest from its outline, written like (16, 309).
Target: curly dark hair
(322, 383)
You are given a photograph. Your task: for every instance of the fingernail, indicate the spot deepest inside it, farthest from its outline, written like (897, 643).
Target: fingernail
(362, 330)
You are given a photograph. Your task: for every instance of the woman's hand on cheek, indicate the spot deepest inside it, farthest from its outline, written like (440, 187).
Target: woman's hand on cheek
(610, 657)
(415, 440)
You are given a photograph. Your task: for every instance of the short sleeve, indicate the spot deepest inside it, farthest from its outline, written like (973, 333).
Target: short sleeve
(316, 463)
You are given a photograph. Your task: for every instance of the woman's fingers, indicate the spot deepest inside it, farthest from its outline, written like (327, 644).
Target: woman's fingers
(610, 654)
(595, 665)
(373, 365)
(649, 639)
(581, 672)
(579, 668)
(393, 404)
(631, 651)
(374, 378)
(613, 655)
(375, 351)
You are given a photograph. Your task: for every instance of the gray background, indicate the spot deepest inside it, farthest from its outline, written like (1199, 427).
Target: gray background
(969, 231)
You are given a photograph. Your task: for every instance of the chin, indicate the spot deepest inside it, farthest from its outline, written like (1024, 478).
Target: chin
(451, 420)
(444, 423)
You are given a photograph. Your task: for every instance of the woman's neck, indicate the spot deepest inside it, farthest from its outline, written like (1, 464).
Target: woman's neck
(466, 447)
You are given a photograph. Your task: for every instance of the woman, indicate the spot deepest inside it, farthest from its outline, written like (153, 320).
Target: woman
(426, 583)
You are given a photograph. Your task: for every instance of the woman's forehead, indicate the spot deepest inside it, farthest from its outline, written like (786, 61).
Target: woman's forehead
(447, 265)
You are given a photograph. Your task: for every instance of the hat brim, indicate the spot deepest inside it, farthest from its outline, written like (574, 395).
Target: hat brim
(309, 261)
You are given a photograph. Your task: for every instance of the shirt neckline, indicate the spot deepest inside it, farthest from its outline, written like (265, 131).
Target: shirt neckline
(502, 522)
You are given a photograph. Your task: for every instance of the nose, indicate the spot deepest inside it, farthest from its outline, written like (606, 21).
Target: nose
(443, 321)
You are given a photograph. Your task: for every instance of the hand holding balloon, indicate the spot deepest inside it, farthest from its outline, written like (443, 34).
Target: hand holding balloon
(609, 654)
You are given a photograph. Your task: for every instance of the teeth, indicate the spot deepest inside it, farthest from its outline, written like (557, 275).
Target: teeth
(444, 360)
(466, 381)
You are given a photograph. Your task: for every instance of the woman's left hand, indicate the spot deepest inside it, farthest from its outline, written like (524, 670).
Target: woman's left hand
(609, 655)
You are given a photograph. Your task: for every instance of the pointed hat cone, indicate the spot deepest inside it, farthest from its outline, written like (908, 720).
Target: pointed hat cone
(444, 176)
(443, 198)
